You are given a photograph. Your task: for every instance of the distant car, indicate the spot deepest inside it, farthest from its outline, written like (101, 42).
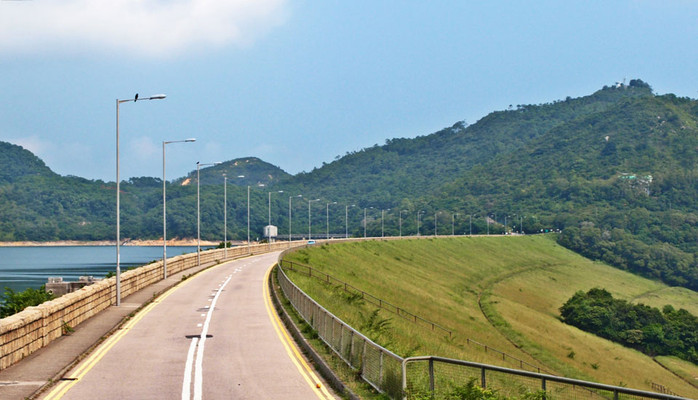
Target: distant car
(311, 242)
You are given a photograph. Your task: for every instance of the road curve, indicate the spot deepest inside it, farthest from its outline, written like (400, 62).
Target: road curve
(213, 336)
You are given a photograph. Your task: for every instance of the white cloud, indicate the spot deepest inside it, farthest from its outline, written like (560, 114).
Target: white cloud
(145, 149)
(145, 27)
(32, 143)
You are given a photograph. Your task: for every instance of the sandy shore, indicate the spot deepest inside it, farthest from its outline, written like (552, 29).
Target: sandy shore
(172, 242)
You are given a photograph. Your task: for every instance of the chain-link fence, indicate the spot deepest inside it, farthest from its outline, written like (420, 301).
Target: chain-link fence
(378, 366)
(437, 377)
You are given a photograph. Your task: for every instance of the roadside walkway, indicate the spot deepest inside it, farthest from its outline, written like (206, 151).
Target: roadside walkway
(30, 376)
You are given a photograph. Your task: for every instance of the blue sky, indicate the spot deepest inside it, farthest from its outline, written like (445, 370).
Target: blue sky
(299, 82)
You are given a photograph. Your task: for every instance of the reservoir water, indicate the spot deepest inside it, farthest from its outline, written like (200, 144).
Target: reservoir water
(30, 267)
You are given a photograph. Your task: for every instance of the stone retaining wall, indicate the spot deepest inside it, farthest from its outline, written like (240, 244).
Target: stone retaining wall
(35, 327)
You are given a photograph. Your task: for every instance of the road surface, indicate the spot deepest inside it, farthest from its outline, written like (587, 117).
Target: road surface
(213, 336)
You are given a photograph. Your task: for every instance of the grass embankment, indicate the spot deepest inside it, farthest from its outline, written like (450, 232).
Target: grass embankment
(500, 291)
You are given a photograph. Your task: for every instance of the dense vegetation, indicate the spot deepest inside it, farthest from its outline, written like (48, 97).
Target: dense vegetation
(13, 302)
(615, 170)
(654, 332)
(655, 261)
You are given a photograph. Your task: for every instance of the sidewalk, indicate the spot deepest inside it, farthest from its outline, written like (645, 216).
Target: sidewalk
(27, 378)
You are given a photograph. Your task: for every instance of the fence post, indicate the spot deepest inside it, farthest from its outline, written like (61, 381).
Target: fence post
(363, 359)
(380, 367)
(431, 376)
(340, 335)
(483, 381)
(543, 386)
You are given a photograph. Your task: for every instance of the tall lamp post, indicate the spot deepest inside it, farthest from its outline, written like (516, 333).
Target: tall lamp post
(365, 221)
(269, 232)
(198, 211)
(309, 231)
(382, 217)
(225, 215)
(118, 191)
(419, 213)
(327, 216)
(164, 204)
(346, 220)
(400, 221)
(436, 221)
(453, 224)
(289, 217)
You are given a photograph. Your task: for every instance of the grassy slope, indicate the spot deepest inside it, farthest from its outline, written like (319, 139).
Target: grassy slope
(520, 282)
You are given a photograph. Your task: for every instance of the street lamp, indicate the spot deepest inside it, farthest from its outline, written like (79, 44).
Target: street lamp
(164, 205)
(453, 224)
(309, 232)
(269, 226)
(289, 217)
(436, 220)
(382, 215)
(346, 220)
(365, 222)
(198, 212)
(327, 215)
(225, 215)
(419, 213)
(400, 221)
(118, 191)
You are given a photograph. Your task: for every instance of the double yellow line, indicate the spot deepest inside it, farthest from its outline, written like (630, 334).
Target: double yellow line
(305, 370)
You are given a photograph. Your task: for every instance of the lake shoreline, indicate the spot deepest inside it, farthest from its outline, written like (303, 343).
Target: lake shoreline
(60, 243)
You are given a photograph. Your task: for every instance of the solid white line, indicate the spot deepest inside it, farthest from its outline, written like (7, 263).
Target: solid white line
(186, 384)
(199, 369)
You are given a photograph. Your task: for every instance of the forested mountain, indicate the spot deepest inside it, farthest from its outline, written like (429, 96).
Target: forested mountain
(16, 162)
(615, 170)
(383, 176)
(241, 171)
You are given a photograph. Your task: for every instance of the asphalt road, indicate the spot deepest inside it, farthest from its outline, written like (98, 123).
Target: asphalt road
(213, 336)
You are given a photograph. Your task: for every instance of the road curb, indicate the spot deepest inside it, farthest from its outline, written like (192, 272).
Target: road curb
(320, 364)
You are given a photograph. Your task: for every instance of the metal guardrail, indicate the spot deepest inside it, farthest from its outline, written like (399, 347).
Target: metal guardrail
(437, 376)
(378, 366)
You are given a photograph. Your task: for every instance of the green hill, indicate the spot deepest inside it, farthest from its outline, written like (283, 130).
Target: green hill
(17, 162)
(253, 171)
(383, 176)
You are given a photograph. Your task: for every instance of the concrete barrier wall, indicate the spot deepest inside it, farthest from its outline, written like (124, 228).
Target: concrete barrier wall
(35, 327)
